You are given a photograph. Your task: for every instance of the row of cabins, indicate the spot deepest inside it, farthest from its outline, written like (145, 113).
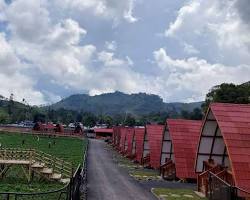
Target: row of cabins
(58, 129)
(213, 152)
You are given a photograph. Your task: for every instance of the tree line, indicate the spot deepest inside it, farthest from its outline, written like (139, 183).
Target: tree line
(13, 112)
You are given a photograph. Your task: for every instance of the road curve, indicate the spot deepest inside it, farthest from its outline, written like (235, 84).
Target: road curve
(107, 181)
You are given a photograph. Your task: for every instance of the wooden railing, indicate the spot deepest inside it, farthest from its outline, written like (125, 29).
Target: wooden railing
(57, 165)
(220, 171)
(168, 169)
(16, 154)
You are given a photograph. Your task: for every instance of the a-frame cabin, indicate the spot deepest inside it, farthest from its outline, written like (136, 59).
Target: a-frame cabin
(129, 142)
(155, 136)
(139, 144)
(179, 149)
(122, 144)
(223, 154)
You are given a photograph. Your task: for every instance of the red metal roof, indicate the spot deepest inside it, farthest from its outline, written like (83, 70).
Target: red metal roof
(115, 135)
(59, 128)
(185, 136)
(123, 131)
(234, 123)
(139, 139)
(155, 136)
(129, 138)
(103, 130)
(49, 126)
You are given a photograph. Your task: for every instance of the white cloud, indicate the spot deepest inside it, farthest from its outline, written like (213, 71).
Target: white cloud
(28, 19)
(108, 59)
(190, 49)
(216, 24)
(112, 45)
(195, 76)
(109, 9)
(55, 48)
(12, 81)
(22, 87)
(9, 63)
(67, 32)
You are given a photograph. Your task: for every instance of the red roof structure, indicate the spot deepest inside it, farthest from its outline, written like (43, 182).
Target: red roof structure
(225, 141)
(139, 143)
(129, 140)
(184, 137)
(49, 127)
(59, 128)
(103, 132)
(38, 126)
(123, 133)
(116, 136)
(155, 135)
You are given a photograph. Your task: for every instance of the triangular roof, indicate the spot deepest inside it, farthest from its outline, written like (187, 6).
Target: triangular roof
(123, 132)
(185, 136)
(234, 123)
(129, 138)
(155, 136)
(139, 139)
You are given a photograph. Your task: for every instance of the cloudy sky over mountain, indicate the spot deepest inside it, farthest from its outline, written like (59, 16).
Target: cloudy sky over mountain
(177, 49)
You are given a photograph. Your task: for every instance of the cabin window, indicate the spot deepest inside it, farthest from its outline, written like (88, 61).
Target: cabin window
(212, 145)
(167, 149)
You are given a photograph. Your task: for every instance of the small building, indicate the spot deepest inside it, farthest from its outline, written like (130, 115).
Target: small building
(139, 144)
(49, 127)
(103, 132)
(224, 150)
(155, 136)
(179, 147)
(59, 128)
(38, 126)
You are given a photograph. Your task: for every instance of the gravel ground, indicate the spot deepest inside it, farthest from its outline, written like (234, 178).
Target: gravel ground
(108, 181)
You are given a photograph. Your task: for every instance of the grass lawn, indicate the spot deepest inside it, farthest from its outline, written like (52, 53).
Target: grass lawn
(68, 149)
(176, 194)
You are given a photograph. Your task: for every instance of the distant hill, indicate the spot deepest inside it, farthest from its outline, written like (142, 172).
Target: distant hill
(120, 103)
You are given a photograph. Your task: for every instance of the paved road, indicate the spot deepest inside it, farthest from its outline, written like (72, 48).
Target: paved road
(107, 181)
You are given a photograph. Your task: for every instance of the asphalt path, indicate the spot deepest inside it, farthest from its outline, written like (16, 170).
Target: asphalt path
(108, 181)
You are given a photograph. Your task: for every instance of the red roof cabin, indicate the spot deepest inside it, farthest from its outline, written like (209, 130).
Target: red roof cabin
(129, 142)
(123, 131)
(49, 127)
(224, 149)
(116, 136)
(179, 149)
(38, 126)
(59, 128)
(103, 132)
(139, 144)
(154, 134)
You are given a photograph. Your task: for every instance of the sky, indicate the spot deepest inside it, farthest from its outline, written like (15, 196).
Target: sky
(179, 50)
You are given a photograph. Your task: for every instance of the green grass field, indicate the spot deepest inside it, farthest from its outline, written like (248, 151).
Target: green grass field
(68, 149)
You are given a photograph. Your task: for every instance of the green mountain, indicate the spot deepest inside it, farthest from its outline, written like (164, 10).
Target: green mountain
(120, 103)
